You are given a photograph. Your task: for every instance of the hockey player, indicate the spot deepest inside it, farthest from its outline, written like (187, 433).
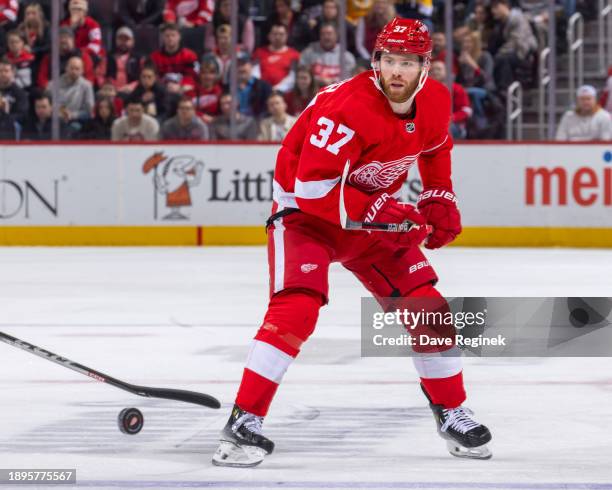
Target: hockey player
(379, 123)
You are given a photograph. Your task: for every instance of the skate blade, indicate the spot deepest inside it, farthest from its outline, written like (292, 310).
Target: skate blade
(235, 456)
(480, 452)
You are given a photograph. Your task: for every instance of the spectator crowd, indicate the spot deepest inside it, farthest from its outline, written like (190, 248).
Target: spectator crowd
(142, 70)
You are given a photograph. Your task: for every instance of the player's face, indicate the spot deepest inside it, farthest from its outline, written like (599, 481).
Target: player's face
(399, 75)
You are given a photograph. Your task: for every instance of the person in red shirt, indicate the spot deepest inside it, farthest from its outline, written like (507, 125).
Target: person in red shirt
(336, 173)
(462, 109)
(207, 92)
(172, 58)
(20, 58)
(276, 62)
(189, 13)
(87, 32)
(8, 11)
(304, 91)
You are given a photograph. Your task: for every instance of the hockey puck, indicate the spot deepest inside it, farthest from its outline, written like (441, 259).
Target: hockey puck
(130, 421)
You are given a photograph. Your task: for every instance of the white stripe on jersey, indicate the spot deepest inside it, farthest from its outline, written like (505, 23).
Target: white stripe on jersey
(314, 189)
(283, 198)
(278, 236)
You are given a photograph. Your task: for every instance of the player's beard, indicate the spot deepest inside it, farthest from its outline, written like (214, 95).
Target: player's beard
(398, 97)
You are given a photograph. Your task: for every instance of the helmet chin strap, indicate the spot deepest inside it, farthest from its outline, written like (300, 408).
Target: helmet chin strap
(401, 107)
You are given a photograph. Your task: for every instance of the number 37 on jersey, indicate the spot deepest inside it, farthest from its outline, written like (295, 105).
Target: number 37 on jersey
(331, 136)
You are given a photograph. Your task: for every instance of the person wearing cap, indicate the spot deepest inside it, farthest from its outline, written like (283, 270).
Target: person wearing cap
(67, 50)
(336, 173)
(123, 66)
(173, 58)
(87, 32)
(587, 121)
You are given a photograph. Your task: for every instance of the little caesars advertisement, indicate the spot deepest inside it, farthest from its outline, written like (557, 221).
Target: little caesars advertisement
(136, 185)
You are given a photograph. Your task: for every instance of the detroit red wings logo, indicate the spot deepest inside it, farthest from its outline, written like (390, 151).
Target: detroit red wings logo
(380, 175)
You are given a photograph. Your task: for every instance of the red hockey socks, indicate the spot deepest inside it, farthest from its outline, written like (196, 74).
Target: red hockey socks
(289, 321)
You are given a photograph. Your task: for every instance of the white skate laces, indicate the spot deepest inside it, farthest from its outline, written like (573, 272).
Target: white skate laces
(252, 422)
(458, 419)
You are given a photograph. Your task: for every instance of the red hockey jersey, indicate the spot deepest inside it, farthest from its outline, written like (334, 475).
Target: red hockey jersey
(353, 121)
(198, 12)
(88, 36)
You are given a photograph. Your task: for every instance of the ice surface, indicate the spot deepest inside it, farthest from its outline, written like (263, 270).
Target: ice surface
(183, 317)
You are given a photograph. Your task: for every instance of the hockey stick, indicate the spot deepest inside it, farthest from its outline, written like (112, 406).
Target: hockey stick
(146, 391)
(349, 224)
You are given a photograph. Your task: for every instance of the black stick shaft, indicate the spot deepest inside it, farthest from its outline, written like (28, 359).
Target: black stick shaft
(169, 394)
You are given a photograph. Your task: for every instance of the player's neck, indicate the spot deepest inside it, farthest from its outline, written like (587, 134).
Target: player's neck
(402, 109)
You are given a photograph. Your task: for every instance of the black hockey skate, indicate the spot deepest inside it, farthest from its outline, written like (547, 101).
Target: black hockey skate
(465, 438)
(242, 444)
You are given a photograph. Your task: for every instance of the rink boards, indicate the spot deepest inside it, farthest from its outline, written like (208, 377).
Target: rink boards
(211, 194)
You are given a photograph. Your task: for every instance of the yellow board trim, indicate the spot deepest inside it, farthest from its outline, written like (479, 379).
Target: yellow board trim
(503, 236)
(255, 235)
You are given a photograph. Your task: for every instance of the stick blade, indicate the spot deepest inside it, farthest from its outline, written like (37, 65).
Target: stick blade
(180, 395)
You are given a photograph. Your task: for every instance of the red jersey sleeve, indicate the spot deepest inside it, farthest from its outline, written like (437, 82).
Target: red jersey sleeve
(8, 10)
(462, 109)
(435, 158)
(329, 143)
